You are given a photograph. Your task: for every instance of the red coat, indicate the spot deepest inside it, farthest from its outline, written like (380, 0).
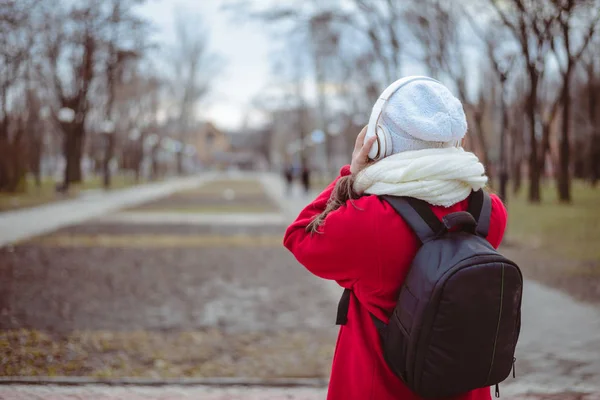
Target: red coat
(368, 248)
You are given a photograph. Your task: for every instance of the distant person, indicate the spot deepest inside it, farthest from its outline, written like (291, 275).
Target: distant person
(397, 340)
(288, 175)
(305, 178)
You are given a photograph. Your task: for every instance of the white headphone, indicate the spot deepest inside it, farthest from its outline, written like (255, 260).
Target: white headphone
(383, 145)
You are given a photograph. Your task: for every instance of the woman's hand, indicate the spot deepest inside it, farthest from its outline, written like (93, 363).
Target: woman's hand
(360, 155)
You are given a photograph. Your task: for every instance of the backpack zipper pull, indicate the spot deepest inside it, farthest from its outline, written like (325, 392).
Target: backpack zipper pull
(514, 373)
(497, 391)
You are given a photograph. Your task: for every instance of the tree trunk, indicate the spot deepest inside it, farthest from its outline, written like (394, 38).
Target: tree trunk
(517, 154)
(534, 172)
(594, 158)
(544, 147)
(594, 145)
(72, 150)
(68, 145)
(503, 137)
(563, 176)
(77, 154)
(108, 155)
(12, 163)
(36, 159)
(4, 165)
(478, 117)
(154, 162)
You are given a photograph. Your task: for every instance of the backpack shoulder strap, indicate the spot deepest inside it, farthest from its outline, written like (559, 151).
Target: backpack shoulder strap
(343, 305)
(342, 312)
(418, 216)
(480, 207)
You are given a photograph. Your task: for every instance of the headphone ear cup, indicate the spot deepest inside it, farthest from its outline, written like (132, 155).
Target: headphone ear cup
(375, 149)
(385, 141)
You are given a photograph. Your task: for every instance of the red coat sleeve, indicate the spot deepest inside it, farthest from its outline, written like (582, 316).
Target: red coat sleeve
(336, 252)
(497, 221)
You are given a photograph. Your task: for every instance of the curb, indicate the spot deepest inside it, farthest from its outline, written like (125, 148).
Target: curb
(215, 382)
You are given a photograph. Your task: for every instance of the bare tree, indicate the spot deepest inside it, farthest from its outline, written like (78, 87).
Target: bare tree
(380, 21)
(436, 25)
(591, 85)
(194, 70)
(71, 45)
(502, 65)
(531, 22)
(517, 130)
(570, 16)
(137, 101)
(17, 37)
(122, 26)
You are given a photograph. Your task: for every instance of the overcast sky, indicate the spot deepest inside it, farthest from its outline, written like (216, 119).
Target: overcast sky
(244, 47)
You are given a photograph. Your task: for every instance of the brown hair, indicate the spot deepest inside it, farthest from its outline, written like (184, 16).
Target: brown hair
(342, 192)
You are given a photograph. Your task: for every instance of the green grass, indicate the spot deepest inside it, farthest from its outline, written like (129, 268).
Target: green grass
(46, 193)
(97, 182)
(564, 230)
(33, 196)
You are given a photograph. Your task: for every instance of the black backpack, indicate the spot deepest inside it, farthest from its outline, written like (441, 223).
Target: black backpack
(458, 317)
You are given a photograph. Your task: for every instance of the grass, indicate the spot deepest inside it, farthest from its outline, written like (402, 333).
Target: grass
(46, 193)
(97, 182)
(34, 196)
(170, 354)
(565, 230)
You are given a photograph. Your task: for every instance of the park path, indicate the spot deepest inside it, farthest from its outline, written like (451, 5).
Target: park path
(25, 223)
(558, 354)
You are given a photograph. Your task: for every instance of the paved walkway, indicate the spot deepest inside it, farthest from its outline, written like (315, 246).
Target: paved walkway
(25, 223)
(174, 218)
(100, 392)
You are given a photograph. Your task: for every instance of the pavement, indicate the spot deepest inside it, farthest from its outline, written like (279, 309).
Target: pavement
(102, 392)
(558, 356)
(25, 223)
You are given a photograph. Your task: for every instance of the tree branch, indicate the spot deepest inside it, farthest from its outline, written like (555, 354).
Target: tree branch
(505, 19)
(588, 37)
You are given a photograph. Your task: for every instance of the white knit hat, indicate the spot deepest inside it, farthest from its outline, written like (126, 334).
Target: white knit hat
(423, 114)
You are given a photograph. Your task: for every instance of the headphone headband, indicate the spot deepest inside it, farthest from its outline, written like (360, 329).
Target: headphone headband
(376, 151)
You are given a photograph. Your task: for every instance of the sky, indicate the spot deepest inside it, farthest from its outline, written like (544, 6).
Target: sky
(244, 48)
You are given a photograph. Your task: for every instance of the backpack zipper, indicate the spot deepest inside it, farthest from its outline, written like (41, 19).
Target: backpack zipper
(497, 327)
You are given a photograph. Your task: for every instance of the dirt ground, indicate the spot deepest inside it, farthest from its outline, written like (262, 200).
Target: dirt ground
(217, 197)
(162, 310)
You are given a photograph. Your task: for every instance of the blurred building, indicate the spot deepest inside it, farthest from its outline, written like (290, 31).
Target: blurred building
(249, 149)
(210, 143)
(245, 149)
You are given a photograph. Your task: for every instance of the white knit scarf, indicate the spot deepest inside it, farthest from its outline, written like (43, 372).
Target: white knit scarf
(441, 177)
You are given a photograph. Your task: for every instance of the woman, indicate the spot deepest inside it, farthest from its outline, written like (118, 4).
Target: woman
(349, 234)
